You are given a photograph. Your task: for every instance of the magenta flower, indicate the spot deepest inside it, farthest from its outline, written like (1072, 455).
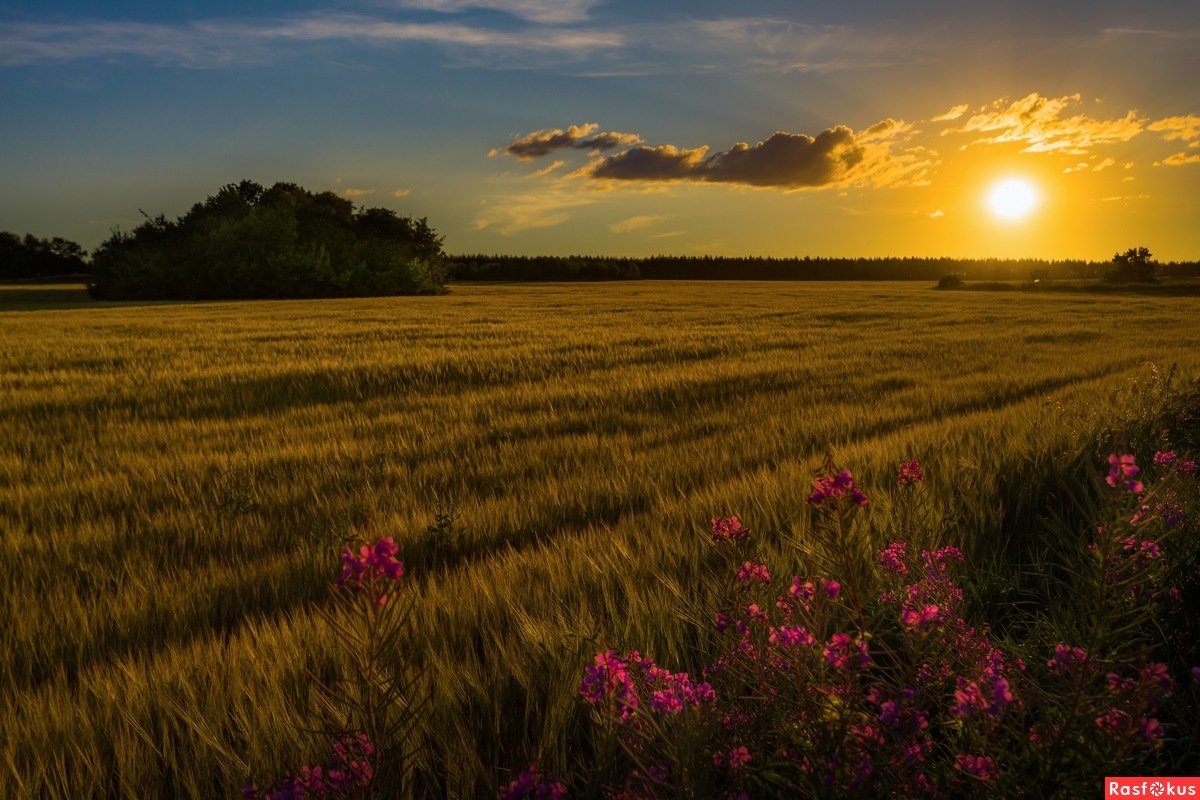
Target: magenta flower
(1122, 473)
(791, 636)
(531, 784)
(372, 569)
(1150, 729)
(739, 757)
(728, 529)
(982, 767)
(608, 678)
(831, 588)
(1165, 458)
(836, 486)
(802, 591)
(752, 572)
(891, 558)
(1066, 658)
(909, 472)
(1112, 721)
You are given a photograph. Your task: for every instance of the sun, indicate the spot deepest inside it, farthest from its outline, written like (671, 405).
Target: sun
(1012, 198)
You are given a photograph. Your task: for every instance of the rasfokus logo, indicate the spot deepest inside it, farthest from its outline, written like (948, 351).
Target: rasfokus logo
(1151, 787)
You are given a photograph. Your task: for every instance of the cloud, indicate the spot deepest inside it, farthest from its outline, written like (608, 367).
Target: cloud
(954, 113)
(1039, 124)
(1124, 197)
(544, 11)
(401, 192)
(636, 223)
(357, 192)
(579, 137)
(837, 156)
(937, 214)
(511, 214)
(541, 173)
(1103, 165)
(774, 44)
(1179, 159)
(1177, 128)
(222, 42)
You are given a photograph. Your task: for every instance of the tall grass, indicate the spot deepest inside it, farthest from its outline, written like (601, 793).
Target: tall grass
(175, 481)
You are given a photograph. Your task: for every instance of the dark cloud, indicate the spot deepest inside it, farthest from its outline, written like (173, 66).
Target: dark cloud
(836, 156)
(579, 137)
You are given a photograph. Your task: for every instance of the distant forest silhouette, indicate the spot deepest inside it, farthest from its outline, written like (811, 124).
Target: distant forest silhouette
(599, 268)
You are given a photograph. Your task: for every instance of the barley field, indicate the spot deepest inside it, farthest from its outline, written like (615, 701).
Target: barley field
(176, 482)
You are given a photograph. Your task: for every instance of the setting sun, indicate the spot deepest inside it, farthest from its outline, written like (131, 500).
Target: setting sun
(1012, 198)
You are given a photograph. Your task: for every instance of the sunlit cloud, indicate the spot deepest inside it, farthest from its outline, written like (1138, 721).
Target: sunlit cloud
(1179, 159)
(511, 214)
(937, 214)
(541, 173)
(401, 192)
(837, 156)
(1040, 124)
(952, 114)
(636, 223)
(357, 192)
(1185, 128)
(578, 137)
(545, 11)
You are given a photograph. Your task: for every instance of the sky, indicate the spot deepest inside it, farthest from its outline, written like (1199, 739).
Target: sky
(861, 128)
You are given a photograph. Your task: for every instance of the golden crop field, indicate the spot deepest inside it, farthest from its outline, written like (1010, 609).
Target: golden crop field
(176, 482)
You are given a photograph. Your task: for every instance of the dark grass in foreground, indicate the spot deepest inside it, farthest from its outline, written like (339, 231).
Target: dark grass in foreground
(176, 481)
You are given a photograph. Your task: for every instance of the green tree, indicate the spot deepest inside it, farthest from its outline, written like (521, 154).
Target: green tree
(1133, 265)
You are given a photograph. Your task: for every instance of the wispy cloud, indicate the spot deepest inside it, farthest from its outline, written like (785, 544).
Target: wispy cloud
(221, 42)
(579, 137)
(1041, 124)
(1178, 160)
(350, 192)
(637, 223)
(401, 192)
(1183, 128)
(544, 11)
(952, 114)
(511, 214)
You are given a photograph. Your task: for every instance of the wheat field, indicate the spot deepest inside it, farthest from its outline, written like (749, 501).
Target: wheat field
(176, 481)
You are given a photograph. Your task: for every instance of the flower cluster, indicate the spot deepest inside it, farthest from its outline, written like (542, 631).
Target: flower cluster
(909, 472)
(1122, 473)
(533, 785)
(832, 487)
(350, 768)
(728, 529)
(624, 686)
(372, 569)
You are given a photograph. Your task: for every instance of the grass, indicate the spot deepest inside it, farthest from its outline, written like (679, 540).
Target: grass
(176, 480)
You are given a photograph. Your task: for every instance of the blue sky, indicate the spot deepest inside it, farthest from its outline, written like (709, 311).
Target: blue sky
(106, 109)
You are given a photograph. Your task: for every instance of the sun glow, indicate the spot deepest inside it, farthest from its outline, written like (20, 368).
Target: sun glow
(1012, 198)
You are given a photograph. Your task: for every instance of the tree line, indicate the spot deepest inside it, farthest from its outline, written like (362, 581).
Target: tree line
(1134, 264)
(28, 257)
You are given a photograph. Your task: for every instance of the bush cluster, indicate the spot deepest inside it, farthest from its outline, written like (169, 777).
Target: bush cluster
(249, 242)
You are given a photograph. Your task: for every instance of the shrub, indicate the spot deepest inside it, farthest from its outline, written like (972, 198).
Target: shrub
(248, 242)
(951, 281)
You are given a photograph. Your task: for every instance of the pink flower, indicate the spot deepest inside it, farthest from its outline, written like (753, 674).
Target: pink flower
(982, 767)
(728, 529)
(909, 472)
(752, 572)
(836, 486)
(891, 558)
(1122, 471)
(531, 784)
(1066, 657)
(372, 569)
(832, 588)
(739, 757)
(1150, 729)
